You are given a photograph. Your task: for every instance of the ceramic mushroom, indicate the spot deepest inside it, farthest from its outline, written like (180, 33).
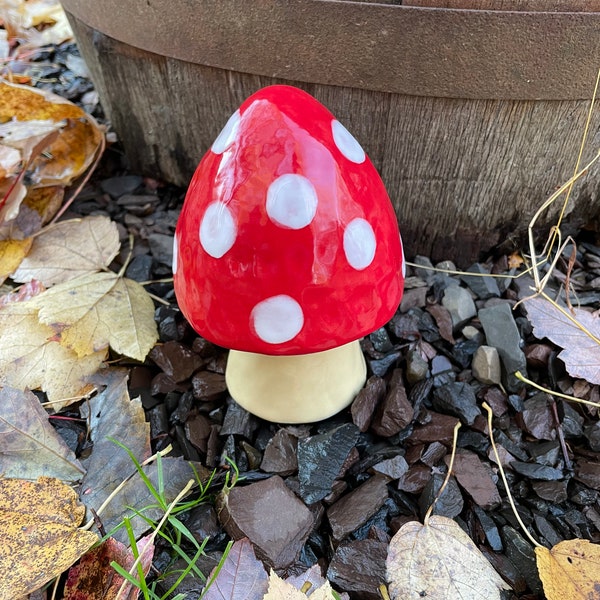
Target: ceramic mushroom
(287, 251)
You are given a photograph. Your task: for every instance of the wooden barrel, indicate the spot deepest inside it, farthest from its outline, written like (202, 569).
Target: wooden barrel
(473, 116)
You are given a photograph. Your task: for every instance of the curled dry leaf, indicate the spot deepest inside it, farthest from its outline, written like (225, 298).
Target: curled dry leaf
(95, 310)
(439, 561)
(39, 532)
(569, 571)
(93, 578)
(581, 353)
(20, 18)
(68, 249)
(29, 139)
(56, 140)
(76, 145)
(31, 357)
(29, 445)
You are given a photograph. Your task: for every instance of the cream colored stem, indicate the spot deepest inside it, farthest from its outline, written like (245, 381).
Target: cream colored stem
(296, 389)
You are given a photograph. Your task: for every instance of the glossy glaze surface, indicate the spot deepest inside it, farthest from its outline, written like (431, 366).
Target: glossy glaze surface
(287, 242)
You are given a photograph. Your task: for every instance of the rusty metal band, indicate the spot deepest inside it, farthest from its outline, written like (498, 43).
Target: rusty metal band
(437, 52)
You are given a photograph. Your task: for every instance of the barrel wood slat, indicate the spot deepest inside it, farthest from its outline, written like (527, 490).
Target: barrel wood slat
(465, 173)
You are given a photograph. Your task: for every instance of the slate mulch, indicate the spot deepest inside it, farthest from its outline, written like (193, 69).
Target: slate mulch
(334, 492)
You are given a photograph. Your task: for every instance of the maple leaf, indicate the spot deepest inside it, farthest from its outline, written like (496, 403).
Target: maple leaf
(68, 249)
(569, 570)
(581, 353)
(31, 357)
(439, 561)
(95, 310)
(39, 532)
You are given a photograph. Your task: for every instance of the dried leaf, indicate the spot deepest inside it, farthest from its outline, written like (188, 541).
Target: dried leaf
(242, 576)
(93, 578)
(12, 252)
(21, 17)
(10, 161)
(95, 310)
(30, 357)
(44, 201)
(282, 590)
(439, 561)
(76, 145)
(112, 414)
(23, 293)
(581, 353)
(569, 571)
(70, 249)
(12, 189)
(39, 532)
(29, 445)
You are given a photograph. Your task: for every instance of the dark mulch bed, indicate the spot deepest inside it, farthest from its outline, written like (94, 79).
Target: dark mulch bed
(358, 477)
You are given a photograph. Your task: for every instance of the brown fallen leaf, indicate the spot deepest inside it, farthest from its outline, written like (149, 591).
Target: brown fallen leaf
(439, 561)
(32, 358)
(96, 310)
(69, 249)
(569, 571)
(242, 575)
(282, 590)
(29, 445)
(93, 578)
(39, 532)
(581, 353)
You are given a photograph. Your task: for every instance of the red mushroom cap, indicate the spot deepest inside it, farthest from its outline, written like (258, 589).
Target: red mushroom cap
(287, 242)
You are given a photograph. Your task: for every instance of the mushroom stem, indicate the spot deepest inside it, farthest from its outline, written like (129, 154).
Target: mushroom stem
(296, 389)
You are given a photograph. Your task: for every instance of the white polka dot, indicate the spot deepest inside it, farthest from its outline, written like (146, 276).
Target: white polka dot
(227, 135)
(217, 230)
(403, 259)
(175, 254)
(359, 244)
(346, 143)
(277, 319)
(291, 201)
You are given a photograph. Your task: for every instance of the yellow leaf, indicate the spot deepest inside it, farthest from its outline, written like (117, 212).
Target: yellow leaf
(281, 590)
(12, 252)
(69, 249)
(97, 310)
(30, 357)
(439, 561)
(39, 532)
(569, 571)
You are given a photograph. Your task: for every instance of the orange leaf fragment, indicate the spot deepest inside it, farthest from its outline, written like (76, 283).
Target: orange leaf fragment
(95, 579)
(515, 261)
(569, 571)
